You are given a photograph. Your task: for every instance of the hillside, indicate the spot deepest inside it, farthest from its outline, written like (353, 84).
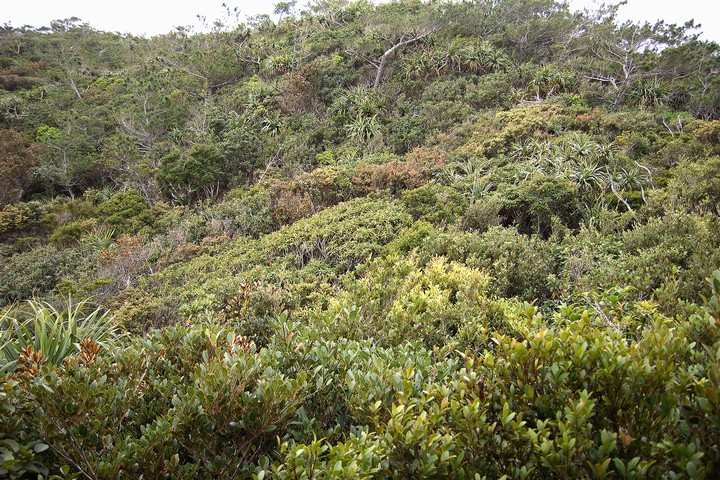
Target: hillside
(412, 240)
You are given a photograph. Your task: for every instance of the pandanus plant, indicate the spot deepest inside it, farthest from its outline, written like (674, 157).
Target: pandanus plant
(53, 333)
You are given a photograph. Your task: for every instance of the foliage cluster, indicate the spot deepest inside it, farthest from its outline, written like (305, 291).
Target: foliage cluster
(407, 240)
(567, 396)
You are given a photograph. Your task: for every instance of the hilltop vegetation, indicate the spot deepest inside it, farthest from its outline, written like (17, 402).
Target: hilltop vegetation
(411, 240)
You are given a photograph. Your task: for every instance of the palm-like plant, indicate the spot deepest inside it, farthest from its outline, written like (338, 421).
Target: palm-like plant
(557, 163)
(98, 239)
(54, 333)
(8, 351)
(591, 212)
(522, 150)
(454, 54)
(364, 128)
(549, 80)
(650, 92)
(359, 101)
(606, 151)
(491, 58)
(438, 62)
(588, 175)
(416, 67)
(618, 179)
(271, 125)
(473, 179)
(583, 147)
(279, 64)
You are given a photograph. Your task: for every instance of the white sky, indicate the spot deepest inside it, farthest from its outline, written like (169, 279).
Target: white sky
(704, 12)
(139, 17)
(152, 17)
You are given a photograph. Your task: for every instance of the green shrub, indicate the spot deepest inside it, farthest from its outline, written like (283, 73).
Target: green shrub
(484, 213)
(343, 236)
(138, 311)
(519, 265)
(243, 212)
(190, 175)
(667, 259)
(434, 203)
(22, 453)
(20, 217)
(567, 397)
(37, 272)
(533, 204)
(70, 233)
(695, 186)
(126, 212)
(399, 299)
(571, 399)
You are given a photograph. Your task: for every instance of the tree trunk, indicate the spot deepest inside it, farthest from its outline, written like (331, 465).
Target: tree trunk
(385, 56)
(381, 69)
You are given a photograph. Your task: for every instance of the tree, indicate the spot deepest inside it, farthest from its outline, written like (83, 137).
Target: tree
(200, 64)
(190, 175)
(284, 8)
(69, 163)
(82, 53)
(693, 71)
(16, 161)
(531, 30)
(391, 27)
(629, 51)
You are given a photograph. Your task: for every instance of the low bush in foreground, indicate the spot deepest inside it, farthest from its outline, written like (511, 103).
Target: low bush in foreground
(578, 395)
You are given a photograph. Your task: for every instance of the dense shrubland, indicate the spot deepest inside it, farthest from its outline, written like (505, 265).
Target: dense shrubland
(407, 240)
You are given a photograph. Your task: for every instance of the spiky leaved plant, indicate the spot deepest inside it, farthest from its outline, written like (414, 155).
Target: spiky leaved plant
(55, 333)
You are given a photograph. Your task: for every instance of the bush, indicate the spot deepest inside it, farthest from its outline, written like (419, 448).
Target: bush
(665, 259)
(531, 409)
(243, 212)
(399, 299)
(534, 204)
(127, 212)
(434, 203)
(695, 186)
(185, 176)
(484, 213)
(567, 396)
(20, 218)
(520, 266)
(37, 272)
(70, 234)
(343, 236)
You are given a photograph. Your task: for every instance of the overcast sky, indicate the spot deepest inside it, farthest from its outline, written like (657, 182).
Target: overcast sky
(152, 17)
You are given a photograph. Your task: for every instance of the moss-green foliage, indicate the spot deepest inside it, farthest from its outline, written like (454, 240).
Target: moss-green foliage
(126, 212)
(519, 266)
(398, 299)
(695, 186)
(573, 396)
(299, 262)
(343, 236)
(491, 263)
(184, 176)
(266, 141)
(243, 212)
(19, 217)
(663, 258)
(536, 202)
(434, 203)
(69, 233)
(26, 274)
